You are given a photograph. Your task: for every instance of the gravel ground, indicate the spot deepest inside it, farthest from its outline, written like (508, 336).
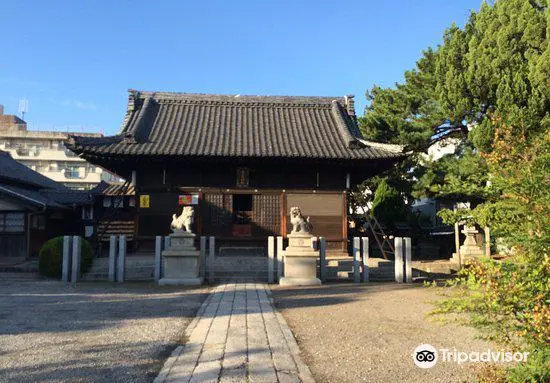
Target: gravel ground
(91, 332)
(367, 332)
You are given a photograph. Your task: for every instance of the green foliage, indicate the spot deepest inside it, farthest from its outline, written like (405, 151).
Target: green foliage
(460, 177)
(50, 257)
(388, 205)
(487, 85)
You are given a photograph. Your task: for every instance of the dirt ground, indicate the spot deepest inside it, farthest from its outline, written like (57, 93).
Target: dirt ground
(90, 332)
(368, 332)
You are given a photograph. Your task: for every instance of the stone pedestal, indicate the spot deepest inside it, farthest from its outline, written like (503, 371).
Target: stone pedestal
(181, 262)
(300, 262)
(470, 248)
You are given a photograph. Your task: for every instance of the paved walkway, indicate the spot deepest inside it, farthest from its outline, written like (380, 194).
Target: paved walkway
(237, 336)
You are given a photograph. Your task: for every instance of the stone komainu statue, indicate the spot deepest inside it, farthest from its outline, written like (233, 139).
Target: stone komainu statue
(184, 221)
(299, 223)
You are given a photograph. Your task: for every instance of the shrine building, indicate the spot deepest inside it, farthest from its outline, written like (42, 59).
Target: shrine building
(241, 161)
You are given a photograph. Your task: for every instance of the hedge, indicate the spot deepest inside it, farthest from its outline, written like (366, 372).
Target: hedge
(50, 257)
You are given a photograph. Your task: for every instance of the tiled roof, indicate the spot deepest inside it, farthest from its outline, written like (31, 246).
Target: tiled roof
(199, 125)
(17, 179)
(10, 168)
(113, 189)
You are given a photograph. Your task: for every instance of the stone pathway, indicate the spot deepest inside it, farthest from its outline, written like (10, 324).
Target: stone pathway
(237, 336)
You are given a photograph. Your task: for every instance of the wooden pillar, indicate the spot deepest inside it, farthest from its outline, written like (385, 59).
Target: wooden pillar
(365, 259)
(398, 241)
(270, 258)
(487, 241)
(66, 267)
(158, 258)
(322, 259)
(112, 258)
(75, 275)
(356, 259)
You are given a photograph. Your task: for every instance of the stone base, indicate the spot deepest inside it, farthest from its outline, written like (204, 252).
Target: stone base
(300, 262)
(287, 281)
(181, 281)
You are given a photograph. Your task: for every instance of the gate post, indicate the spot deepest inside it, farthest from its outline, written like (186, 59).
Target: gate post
(322, 259)
(75, 275)
(66, 268)
(121, 266)
(365, 259)
(270, 258)
(356, 258)
(211, 259)
(280, 258)
(203, 257)
(158, 258)
(398, 241)
(112, 258)
(408, 259)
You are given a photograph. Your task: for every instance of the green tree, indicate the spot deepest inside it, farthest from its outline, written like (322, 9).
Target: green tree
(488, 85)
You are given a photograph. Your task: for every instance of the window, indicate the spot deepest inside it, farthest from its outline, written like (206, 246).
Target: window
(38, 222)
(72, 172)
(87, 212)
(13, 222)
(106, 201)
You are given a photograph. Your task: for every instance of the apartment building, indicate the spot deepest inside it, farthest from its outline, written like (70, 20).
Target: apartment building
(45, 152)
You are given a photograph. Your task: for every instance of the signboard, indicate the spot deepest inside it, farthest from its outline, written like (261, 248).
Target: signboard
(188, 199)
(144, 201)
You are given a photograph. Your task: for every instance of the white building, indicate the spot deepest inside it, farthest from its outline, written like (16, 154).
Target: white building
(45, 153)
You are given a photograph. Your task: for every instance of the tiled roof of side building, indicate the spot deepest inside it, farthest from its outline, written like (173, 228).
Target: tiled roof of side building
(201, 125)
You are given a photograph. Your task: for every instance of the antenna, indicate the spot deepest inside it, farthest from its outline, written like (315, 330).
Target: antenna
(23, 107)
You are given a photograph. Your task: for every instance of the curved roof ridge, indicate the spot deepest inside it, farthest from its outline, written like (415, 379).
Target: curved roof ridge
(234, 97)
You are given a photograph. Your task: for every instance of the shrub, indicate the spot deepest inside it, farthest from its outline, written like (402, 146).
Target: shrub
(51, 256)
(388, 205)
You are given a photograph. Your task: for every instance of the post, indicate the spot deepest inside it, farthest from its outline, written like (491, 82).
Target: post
(408, 259)
(322, 259)
(280, 257)
(487, 241)
(121, 264)
(270, 258)
(203, 257)
(457, 245)
(314, 243)
(66, 268)
(75, 275)
(211, 258)
(365, 259)
(356, 259)
(398, 241)
(112, 258)
(167, 242)
(158, 258)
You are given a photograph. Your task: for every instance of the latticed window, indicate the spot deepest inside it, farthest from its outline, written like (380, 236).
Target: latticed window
(12, 222)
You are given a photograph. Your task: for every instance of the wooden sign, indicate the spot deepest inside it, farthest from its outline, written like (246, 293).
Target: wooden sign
(243, 176)
(188, 199)
(144, 201)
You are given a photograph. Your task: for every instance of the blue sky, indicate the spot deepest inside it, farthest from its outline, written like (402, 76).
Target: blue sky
(74, 60)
